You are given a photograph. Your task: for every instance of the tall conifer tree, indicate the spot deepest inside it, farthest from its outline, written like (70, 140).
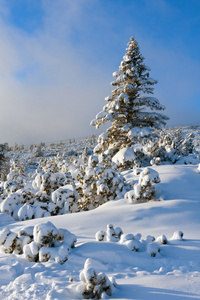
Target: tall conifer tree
(131, 113)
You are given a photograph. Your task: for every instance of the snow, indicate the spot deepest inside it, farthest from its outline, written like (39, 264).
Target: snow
(140, 132)
(124, 155)
(173, 273)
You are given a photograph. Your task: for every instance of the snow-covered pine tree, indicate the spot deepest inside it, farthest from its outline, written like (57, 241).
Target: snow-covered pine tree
(132, 114)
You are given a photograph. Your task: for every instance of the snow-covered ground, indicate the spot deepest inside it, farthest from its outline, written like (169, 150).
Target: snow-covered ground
(174, 273)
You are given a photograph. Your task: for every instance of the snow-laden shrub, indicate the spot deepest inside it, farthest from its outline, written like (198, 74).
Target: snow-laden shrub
(153, 249)
(11, 186)
(41, 195)
(8, 240)
(31, 251)
(98, 183)
(48, 182)
(153, 246)
(17, 172)
(49, 165)
(21, 206)
(135, 243)
(65, 200)
(131, 242)
(172, 147)
(26, 231)
(26, 212)
(94, 285)
(43, 242)
(144, 190)
(155, 161)
(49, 243)
(25, 204)
(150, 238)
(162, 239)
(153, 148)
(100, 236)
(116, 235)
(59, 254)
(52, 174)
(111, 235)
(45, 234)
(10, 204)
(178, 235)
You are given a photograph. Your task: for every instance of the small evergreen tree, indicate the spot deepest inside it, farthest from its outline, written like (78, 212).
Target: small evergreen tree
(4, 162)
(98, 182)
(127, 110)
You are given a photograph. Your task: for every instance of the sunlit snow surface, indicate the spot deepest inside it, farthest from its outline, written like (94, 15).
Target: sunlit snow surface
(173, 274)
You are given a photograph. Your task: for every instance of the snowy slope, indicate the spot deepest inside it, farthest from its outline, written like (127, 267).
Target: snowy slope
(173, 274)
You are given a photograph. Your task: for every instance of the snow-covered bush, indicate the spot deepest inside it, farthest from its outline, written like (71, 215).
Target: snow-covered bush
(116, 235)
(26, 231)
(40, 195)
(172, 146)
(178, 235)
(45, 234)
(8, 240)
(153, 246)
(11, 186)
(111, 235)
(155, 161)
(65, 200)
(48, 182)
(23, 205)
(10, 203)
(162, 239)
(52, 174)
(144, 190)
(150, 238)
(98, 184)
(17, 173)
(43, 242)
(135, 243)
(94, 285)
(131, 242)
(49, 243)
(153, 249)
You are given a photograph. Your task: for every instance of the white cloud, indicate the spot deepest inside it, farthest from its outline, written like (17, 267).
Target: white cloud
(47, 92)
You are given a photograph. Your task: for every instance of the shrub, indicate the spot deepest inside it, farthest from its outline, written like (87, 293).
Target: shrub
(144, 190)
(93, 284)
(98, 183)
(134, 242)
(43, 242)
(111, 235)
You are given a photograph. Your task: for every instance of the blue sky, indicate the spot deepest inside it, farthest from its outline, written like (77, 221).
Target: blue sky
(57, 59)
